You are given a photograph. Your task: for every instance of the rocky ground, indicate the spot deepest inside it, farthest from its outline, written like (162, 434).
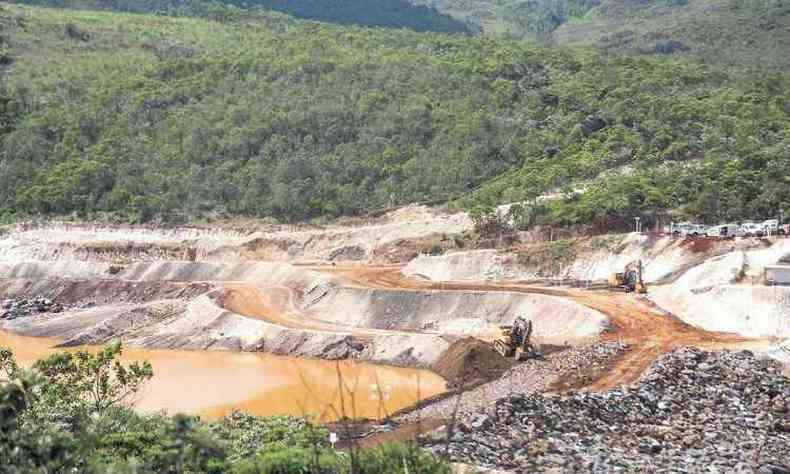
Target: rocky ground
(528, 377)
(693, 411)
(15, 308)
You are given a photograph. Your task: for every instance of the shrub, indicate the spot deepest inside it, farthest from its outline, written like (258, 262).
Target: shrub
(75, 33)
(247, 434)
(488, 222)
(400, 458)
(292, 461)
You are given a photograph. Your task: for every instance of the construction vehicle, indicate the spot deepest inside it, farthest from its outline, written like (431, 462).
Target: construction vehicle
(515, 341)
(630, 280)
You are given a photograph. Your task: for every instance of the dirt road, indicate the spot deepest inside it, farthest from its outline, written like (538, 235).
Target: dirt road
(649, 331)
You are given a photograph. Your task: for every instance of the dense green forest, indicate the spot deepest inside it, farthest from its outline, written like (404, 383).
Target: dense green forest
(383, 13)
(755, 33)
(70, 413)
(389, 13)
(140, 117)
(750, 33)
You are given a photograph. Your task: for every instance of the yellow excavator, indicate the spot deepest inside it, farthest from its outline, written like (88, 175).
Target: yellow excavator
(515, 341)
(630, 280)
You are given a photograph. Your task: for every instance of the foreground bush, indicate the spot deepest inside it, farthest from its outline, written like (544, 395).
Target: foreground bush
(67, 415)
(401, 458)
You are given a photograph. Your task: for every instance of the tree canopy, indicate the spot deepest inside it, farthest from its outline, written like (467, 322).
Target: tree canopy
(141, 117)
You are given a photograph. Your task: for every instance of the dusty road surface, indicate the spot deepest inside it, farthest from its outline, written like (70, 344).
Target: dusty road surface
(649, 333)
(272, 304)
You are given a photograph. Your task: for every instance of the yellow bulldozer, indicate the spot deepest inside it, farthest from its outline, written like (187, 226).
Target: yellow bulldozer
(630, 279)
(515, 341)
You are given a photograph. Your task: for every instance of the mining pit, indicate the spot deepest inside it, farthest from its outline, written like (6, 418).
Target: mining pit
(274, 321)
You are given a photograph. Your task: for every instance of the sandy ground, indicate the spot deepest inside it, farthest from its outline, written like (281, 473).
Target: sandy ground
(248, 291)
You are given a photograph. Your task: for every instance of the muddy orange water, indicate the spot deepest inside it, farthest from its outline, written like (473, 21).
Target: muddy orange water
(212, 383)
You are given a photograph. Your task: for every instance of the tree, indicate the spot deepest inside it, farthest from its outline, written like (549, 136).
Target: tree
(82, 384)
(8, 365)
(488, 221)
(26, 447)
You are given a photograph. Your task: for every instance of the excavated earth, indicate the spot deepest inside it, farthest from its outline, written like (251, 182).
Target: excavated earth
(470, 360)
(358, 293)
(273, 307)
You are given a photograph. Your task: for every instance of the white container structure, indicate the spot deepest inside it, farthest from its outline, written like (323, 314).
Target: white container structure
(777, 275)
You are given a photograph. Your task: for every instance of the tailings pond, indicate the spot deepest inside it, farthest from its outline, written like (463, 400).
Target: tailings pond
(212, 383)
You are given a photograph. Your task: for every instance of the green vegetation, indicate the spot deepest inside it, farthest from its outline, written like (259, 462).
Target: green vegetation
(139, 117)
(735, 33)
(514, 18)
(388, 13)
(384, 13)
(66, 415)
(753, 33)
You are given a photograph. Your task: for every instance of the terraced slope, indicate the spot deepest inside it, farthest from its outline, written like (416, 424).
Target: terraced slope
(358, 310)
(649, 332)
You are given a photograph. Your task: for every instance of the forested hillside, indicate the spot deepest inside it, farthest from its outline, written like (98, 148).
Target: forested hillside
(141, 117)
(741, 33)
(535, 19)
(754, 33)
(383, 13)
(734, 33)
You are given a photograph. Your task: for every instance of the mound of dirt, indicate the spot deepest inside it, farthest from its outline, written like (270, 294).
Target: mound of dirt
(470, 360)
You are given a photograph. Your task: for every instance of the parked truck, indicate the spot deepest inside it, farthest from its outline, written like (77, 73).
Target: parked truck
(771, 226)
(688, 229)
(724, 231)
(752, 229)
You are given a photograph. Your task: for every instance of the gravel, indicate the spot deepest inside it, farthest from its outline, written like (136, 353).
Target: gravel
(530, 376)
(15, 308)
(692, 411)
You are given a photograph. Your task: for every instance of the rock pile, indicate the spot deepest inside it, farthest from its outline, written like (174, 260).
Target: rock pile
(568, 365)
(692, 412)
(14, 308)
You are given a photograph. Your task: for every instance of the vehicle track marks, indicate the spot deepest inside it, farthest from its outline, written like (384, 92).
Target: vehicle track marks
(648, 331)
